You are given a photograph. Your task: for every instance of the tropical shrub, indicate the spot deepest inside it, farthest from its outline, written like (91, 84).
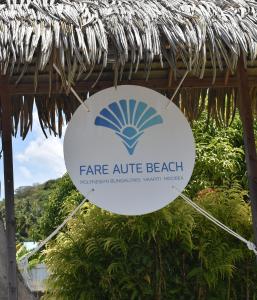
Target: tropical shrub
(220, 159)
(171, 254)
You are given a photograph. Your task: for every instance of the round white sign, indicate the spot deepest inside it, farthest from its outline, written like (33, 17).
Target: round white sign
(131, 149)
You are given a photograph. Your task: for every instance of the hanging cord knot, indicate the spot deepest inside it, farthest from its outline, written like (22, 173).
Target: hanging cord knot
(251, 246)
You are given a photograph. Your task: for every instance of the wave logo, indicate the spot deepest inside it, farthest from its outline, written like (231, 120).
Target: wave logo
(129, 119)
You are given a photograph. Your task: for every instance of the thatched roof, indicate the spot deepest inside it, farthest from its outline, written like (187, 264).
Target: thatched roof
(100, 42)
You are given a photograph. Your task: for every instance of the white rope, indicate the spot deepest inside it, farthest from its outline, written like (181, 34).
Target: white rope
(72, 90)
(27, 256)
(180, 83)
(23, 264)
(177, 89)
(24, 269)
(251, 246)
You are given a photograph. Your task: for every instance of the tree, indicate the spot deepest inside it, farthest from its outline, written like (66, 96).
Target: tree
(29, 208)
(58, 205)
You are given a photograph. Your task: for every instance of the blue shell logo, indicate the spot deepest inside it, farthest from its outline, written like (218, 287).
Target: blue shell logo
(128, 119)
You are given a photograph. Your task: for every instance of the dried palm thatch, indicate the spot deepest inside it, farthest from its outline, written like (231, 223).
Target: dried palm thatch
(104, 39)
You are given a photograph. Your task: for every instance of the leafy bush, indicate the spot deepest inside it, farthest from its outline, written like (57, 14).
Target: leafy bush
(220, 158)
(171, 254)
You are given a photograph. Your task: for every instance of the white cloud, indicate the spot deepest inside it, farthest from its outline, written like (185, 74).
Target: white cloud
(36, 159)
(42, 157)
(46, 152)
(25, 172)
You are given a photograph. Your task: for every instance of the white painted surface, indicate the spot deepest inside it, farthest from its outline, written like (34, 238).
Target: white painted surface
(139, 191)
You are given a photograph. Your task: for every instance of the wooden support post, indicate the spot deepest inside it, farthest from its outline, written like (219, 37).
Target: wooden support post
(9, 187)
(245, 109)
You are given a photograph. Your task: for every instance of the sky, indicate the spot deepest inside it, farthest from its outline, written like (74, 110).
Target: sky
(36, 159)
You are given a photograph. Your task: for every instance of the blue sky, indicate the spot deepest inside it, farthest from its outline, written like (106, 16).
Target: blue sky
(36, 159)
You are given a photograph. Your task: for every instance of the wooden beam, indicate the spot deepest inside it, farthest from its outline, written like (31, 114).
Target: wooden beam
(227, 77)
(245, 109)
(170, 77)
(156, 84)
(9, 187)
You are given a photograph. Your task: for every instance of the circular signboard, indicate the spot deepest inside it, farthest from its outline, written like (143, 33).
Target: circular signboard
(131, 148)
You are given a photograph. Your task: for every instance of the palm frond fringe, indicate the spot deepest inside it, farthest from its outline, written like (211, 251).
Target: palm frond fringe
(84, 37)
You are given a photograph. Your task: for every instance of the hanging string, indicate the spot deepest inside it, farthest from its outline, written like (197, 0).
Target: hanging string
(59, 227)
(72, 90)
(177, 89)
(251, 246)
(180, 83)
(23, 263)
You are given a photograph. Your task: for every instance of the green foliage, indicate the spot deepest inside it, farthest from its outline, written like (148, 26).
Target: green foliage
(101, 250)
(223, 258)
(220, 157)
(29, 207)
(41, 208)
(59, 205)
(171, 254)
